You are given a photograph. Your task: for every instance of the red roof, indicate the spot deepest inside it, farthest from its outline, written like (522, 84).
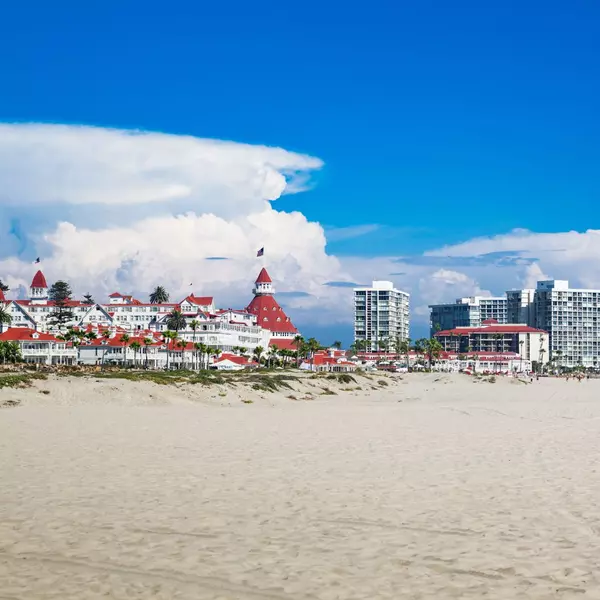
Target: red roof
(71, 303)
(283, 343)
(199, 300)
(2, 297)
(39, 281)
(489, 329)
(24, 334)
(263, 277)
(270, 315)
(234, 358)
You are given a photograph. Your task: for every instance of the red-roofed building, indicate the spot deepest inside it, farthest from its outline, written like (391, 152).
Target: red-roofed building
(269, 314)
(38, 291)
(41, 348)
(233, 362)
(528, 342)
(2, 296)
(193, 304)
(329, 360)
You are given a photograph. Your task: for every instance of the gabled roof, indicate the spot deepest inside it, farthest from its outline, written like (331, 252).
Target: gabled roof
(263, 277)
(234, 358)
(39, 281)
(270, 315)
(24, 334)
(199, 300)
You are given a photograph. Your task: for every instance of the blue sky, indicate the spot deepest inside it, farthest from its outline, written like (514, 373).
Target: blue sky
(437, 122)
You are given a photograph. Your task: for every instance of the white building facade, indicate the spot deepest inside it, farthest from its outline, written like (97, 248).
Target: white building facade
(572, 318)
(262, 323)
(467, 312)
(381, 314)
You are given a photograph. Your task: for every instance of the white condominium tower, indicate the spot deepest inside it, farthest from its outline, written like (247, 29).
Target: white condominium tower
(572, 318)
(380, 314)
(473, 311)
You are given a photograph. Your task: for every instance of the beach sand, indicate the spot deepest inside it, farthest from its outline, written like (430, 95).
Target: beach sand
(431, 487)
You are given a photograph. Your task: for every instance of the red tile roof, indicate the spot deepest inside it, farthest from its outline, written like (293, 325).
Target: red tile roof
(39, 281)
(24, 334)
(457, 331)
(263, 277)
(238, 360)
(199, 300)
(283, 343)
(270, 315)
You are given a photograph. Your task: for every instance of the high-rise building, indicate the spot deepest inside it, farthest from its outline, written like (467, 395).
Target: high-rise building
(572, 319)
(380, 315)
(467, 312)
(519, 306)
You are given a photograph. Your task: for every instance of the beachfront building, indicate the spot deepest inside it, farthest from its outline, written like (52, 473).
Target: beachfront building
(36, 311)
(572, 318)
(504, 363)
(467, 312)
(40, 348)
(519, 306)
(381, 315)
(332, 361)
(269, 315)
(263, 323)
(528, 342)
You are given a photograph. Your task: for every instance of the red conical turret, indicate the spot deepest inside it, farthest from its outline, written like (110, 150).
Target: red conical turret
(263, 277)
(39, 281)
(267, 311)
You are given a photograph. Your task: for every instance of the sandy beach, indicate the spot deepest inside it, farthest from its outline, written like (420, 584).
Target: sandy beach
(430, 487)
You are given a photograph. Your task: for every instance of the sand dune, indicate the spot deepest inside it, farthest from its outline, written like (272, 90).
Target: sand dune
(430, 487)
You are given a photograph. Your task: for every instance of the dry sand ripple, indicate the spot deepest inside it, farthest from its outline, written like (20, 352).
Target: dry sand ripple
(466, 491)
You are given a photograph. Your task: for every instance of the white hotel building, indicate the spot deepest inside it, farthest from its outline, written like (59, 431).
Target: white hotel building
(262, 323)
(472, 311)
(381, 312)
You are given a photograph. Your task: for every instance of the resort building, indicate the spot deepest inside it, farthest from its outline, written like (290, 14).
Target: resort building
(381, 314)
(269, 315)
(263, 323)
(467, 312)
(529, 343)
(40, 348)
(519, 306)
(572, 318)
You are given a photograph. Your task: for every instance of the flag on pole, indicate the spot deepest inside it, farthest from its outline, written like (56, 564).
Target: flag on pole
(260, 252)
(36, 261)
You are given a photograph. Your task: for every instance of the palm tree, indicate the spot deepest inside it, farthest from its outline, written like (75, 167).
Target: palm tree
(258, 352)
(337, 345)
(404, 347)
(168, 336)
(147, 343)
(159, 295)
(124, 339)
(194, 324)
(273, 350)
(106, 336)
(135, 345)
(10, 352)
(498, 337)
(312, 346)
(182, 345)
(5, 318)
(298, 342)
(197, 348)
(176, 321)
